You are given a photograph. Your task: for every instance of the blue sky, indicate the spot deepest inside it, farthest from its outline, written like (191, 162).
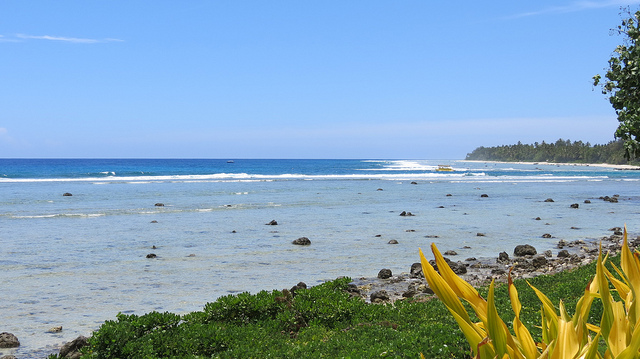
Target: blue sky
(300, 79)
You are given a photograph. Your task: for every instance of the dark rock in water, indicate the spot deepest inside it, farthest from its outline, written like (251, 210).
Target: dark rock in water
(480, 234)
(379, 189)
(548, 253)
(575, 205)
(300, 285)
(587, 201)
(524, 250)
(393, 241)
(413, 182)
(159, 204)
(539, 261)
(384, 273)
(451, 253)
(546, 235)
(449, 195)
(538, 218)
(471, 259)
(549, 200)
(67, 194)
(563, 254)
(154, 247)
(484, 195)
(151, 255)
(8, 340)
(456, 267)
(72, 349)
(272, 223)
(561, 243)
(431, 236)
(416, 270)
(302, 241)
(406, 214)
(154, 221)
(503, 257)
(379, 296)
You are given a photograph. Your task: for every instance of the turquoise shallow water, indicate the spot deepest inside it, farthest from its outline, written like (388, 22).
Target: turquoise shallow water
(78, 260)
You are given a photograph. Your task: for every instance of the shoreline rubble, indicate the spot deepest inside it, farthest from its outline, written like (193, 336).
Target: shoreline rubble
(481, 271)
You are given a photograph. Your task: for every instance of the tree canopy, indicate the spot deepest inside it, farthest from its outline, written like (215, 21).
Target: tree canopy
(622, 83)
(560, 151)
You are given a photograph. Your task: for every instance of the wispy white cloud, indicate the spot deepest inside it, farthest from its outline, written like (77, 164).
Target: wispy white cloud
(61, 38)
(576, 6)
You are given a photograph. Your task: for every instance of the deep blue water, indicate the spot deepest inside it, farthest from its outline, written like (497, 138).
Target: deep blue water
(78, 260)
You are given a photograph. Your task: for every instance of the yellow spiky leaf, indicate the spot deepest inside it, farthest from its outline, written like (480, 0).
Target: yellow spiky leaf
(529, 349)
(462, 289)
(495, 325)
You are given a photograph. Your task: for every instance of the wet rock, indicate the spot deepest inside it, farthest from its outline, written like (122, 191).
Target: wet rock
(406, 214)
(272, 223)
(587, 201)
(300, 285)
(159, 204)
(471, 259)
(302, 241)
(151, 255)
(548, 253)
(498, 271)
(503, 257)
(451, 253)
(539, 261)
(67, 194)
(57, 329)
(456, 267)
(484, 195)
(563, 254)
(524, 250)
(384, 273)
(353, 289)
(574, 205)
(449, 195)
(561, 244)
(71, 349)
(546, 235)
(154, 221)
(538, 218)
(413, 182)
(480, 235)
(8, 340)
(393, 241)
(379, 296)
(379, 189)
(416, 270)
(549, 200)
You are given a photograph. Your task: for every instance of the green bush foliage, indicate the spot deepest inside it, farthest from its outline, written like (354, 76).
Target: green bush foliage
(320, 322)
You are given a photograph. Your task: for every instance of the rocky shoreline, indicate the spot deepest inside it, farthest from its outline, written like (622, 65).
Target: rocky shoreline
(526, 263)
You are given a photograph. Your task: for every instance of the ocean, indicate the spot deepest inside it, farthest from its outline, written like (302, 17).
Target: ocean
(76, 261)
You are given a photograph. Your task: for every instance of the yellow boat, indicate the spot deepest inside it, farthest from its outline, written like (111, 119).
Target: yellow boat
(444, 168)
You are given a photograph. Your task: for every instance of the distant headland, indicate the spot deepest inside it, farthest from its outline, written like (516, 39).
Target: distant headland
(561, 151)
